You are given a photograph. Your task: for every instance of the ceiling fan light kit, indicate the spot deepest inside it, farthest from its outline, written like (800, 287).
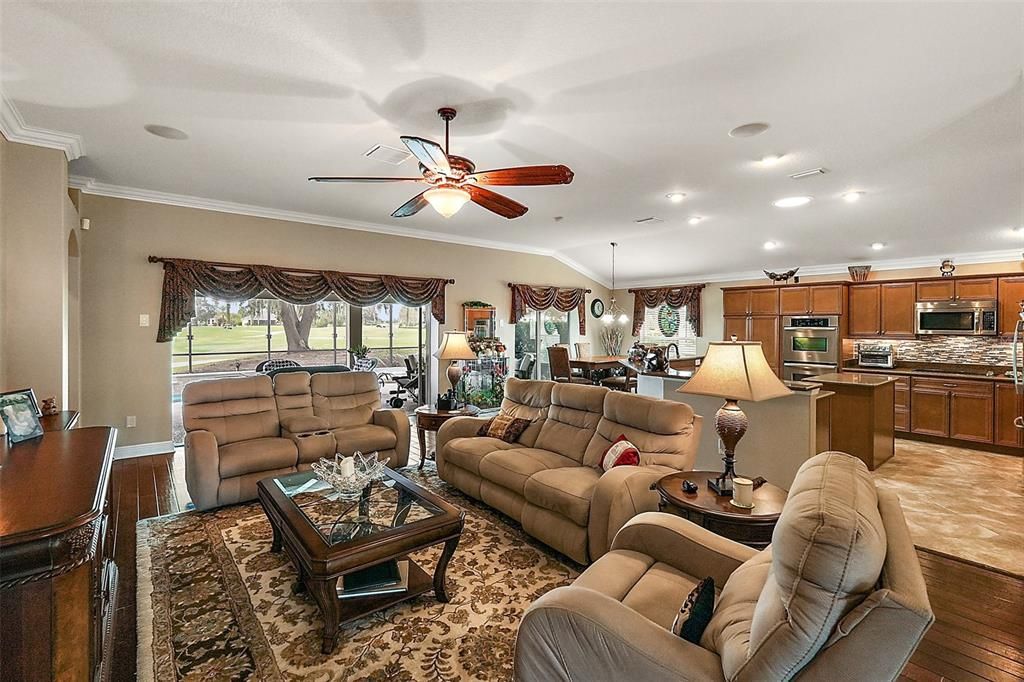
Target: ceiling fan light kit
(455, 180)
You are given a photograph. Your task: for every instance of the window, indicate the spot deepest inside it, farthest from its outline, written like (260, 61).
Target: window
(665, 325)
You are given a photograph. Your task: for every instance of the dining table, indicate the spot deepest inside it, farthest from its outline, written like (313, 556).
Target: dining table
(588, 364)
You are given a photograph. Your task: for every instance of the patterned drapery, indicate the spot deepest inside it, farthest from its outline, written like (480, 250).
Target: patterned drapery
(541, 298)
(674, 297)
(183, 278)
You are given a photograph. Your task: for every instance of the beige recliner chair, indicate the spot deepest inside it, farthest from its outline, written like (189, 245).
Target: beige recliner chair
(838, 595)
(349, 404)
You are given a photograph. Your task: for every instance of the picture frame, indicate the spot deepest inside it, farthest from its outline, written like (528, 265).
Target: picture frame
(597, 307)
(20, 413)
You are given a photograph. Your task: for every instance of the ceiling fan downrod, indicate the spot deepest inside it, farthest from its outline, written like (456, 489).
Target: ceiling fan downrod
(446, 114)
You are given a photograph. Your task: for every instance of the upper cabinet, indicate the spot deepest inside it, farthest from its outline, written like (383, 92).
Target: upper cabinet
(826, 299)
(882, 309)
(974, 289)
(1011, 294)
(757, 301)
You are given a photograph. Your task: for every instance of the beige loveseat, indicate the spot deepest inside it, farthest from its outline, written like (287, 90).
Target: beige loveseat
(838, 595)
(241, 430)
(551, 479)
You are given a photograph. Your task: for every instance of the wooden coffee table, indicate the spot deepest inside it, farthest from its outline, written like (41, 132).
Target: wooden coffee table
(752, 527)
(326, 538)
(429, 418)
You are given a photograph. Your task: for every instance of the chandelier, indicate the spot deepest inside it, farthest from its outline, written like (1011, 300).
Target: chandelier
(614, 312)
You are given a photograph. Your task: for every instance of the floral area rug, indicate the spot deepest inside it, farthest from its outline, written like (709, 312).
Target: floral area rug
(215, 604)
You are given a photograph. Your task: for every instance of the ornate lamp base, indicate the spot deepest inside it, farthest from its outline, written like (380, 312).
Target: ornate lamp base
(454, 377)
(730, 423)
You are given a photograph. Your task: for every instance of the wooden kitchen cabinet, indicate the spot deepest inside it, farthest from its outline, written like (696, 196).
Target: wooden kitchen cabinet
(936, 290)
(765, 328)
(756, 301)
(1011, 293)
(981, 289)
(953, 408)
(897, 309)
(817, 300)
(736, 302)
(901, 410)
(865, 318)
(735, 326)
(1008, 406)
(794, 300)
(929, 409)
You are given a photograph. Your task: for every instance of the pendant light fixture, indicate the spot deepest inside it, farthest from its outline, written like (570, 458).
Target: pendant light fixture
(614, 312)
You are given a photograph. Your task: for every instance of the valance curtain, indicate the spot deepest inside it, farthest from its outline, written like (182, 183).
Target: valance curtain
(184, 278)
(541, 298)
(674, 297)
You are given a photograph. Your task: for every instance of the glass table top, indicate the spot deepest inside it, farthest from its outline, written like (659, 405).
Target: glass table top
(384, 505)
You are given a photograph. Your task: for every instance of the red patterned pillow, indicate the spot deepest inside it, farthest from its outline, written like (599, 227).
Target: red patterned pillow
(620, 453)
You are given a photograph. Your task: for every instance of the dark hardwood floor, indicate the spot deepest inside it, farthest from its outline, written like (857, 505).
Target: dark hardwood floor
(978, 633)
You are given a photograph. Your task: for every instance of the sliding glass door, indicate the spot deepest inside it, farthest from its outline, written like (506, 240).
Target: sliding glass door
(536, 331)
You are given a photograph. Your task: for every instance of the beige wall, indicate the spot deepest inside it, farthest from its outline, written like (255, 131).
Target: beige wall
(125, 372)
(37, 220)
(711, 303)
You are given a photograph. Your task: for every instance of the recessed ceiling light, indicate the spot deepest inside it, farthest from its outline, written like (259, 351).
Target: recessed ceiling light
(675, 197)
(792, 202)
(695, 219)
(851, 197)
(772, 159)
(770, 245)
(878, 246)
(1019, 230)
(749, 129)
(166, 132)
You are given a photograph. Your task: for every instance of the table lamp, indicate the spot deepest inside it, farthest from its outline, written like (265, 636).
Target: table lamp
(454, 347)
(734, 370)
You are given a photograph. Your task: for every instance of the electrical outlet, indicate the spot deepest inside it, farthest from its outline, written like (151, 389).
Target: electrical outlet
(144, 320)
(130, 421)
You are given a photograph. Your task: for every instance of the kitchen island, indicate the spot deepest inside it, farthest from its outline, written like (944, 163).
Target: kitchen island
(863, 406)
(783, 433)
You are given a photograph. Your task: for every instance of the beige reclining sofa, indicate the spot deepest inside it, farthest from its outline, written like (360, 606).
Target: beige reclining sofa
(241, 430)
(551, 480)
(838, 595)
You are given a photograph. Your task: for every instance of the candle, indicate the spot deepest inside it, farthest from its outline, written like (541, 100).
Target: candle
(348, 467)
(743, 492)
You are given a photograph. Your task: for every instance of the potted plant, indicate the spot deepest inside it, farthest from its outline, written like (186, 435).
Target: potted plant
(359, 351)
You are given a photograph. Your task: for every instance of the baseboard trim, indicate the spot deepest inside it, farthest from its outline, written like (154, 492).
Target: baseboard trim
(143, 449)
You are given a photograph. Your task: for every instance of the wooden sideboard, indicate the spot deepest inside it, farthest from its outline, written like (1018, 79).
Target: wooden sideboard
(58, 582)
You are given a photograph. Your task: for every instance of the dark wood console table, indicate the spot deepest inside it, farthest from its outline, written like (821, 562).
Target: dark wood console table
(62, 421)
(58, 582)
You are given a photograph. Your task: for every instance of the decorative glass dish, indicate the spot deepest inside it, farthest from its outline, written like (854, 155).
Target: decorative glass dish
(349, 482)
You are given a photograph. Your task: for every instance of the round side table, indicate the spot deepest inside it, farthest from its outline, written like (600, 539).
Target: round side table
(752, 527)
(429, 418)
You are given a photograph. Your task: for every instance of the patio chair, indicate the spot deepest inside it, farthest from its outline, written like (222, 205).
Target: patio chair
(525, 368)
(268, 366)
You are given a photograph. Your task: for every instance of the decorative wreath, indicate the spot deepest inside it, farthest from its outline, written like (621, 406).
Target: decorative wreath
(668, 321)
(550, 327)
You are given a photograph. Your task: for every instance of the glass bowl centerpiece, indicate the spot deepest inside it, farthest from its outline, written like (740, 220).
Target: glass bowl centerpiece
(349, 476)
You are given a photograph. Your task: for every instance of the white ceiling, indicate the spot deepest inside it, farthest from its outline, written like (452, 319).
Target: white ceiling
(919, 105)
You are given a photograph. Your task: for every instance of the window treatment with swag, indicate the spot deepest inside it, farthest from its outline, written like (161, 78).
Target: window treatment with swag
(183, 278)
(541, 298)
(674, 297)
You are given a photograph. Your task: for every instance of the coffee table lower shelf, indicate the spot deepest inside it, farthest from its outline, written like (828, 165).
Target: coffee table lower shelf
(420, 582)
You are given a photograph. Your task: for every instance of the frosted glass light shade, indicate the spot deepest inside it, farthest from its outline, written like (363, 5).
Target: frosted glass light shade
(447, 200)
(735, 370)
(454, 346)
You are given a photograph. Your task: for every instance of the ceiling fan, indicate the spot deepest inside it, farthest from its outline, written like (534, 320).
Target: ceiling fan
(454, 179)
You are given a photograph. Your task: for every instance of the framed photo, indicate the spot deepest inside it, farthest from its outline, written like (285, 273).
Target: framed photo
(20, 413)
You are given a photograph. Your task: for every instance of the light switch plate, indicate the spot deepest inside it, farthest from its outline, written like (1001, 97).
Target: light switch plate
(130, 421)
(144, 320)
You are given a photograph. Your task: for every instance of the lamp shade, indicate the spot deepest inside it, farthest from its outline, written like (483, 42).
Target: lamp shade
(735, 370)
(454, 346)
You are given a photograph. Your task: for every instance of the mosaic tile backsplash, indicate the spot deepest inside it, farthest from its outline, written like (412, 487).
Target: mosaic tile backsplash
(962, 350)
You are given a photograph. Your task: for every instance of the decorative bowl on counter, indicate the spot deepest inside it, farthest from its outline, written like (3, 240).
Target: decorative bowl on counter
(859, 273)
(349, 476)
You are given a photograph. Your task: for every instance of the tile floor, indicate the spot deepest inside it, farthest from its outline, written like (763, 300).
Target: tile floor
(964, 503)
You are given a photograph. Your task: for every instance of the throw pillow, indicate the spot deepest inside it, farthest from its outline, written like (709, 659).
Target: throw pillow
(696, 611)
(620, 453)
(504, 427)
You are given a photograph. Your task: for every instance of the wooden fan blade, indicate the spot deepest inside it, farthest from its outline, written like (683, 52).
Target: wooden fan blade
(495, 202)
(331, 178)
(525, 175)
(411, 207)
(430, 154)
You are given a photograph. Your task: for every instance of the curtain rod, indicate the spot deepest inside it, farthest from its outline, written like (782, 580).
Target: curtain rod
(545, 286)
(161, 259)
(676, 286)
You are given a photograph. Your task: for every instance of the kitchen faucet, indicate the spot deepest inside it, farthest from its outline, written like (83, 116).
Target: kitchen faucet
(672, 345)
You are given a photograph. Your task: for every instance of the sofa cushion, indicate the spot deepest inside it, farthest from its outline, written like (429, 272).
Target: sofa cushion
(467, 452)
(527, 399)
(231, 409)
(505, 428)
(566, 491)
(826, 557)
(293, 395)
(572, 418)
(366, 439)
(345, 398)
(512, 468)
(662, 430)
(258, 454)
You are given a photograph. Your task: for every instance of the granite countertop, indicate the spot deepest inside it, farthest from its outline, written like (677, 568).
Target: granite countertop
(937, 369)
(672, 373)
(850, 379)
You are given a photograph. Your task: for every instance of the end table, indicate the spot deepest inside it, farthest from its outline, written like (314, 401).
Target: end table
(429, 418)
(752, 527)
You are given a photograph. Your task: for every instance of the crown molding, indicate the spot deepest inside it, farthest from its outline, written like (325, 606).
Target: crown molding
(14, 128)
(90, 186)
(970, 258)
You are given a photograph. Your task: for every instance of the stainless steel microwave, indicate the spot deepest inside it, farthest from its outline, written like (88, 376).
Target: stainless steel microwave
(961, 318)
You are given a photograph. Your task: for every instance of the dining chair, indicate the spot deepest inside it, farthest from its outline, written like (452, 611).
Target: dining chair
(583, 349)
(561, 370)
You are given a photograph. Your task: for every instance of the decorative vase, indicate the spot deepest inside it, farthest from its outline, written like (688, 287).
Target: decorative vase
(859, 273)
